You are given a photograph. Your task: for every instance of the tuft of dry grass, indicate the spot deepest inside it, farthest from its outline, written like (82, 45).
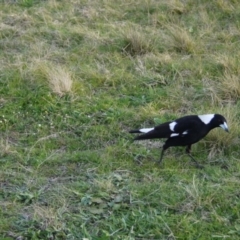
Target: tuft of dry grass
(106, 185)
(5, 146)
(59, 78)
(181, 40)
(229, 86)
(175, 6)
(48, 216)
(136, 41)
(211, 92)
(228, 62)
(225, 6)
(193, 192)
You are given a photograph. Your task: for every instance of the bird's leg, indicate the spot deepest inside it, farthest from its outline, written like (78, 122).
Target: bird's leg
(163, 149)
(188, 151)
(161, 157)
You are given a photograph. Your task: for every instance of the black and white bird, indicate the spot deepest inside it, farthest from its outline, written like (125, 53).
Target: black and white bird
(184, 131)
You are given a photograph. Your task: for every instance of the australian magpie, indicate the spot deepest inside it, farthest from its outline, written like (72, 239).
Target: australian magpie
(184, 131)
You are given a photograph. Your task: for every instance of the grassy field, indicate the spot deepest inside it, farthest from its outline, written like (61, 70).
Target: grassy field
(75, 76)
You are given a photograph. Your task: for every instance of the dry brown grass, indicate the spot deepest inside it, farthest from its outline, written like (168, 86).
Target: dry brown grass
(5, 146)
(47, 216)
(59, 78)
(136, 41)
(181, 40)
(175, 6)
(211, 92)
(228, 62)
(226, 6)
(229, 86)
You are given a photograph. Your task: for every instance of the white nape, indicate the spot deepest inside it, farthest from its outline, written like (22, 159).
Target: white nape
(172, 125)
(206, 118)
(145, 130)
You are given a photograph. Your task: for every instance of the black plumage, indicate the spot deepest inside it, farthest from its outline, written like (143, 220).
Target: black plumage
(183, 131)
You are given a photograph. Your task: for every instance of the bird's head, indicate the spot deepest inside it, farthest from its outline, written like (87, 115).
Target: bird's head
(220, 121)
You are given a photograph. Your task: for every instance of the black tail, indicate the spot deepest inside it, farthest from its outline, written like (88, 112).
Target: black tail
(149, 135)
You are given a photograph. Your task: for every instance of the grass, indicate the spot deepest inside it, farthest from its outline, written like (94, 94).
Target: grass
(75, 76)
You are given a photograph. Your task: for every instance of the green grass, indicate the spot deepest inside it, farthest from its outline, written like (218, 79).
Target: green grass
(75, 76)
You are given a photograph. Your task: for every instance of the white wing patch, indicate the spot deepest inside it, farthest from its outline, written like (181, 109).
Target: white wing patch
(145, 130)
(172, 126)
(206, 118)
(177, 134)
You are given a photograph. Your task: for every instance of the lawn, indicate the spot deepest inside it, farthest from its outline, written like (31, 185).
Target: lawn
(75, 77)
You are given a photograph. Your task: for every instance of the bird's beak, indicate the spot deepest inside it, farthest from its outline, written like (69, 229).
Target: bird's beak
(224, 126)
